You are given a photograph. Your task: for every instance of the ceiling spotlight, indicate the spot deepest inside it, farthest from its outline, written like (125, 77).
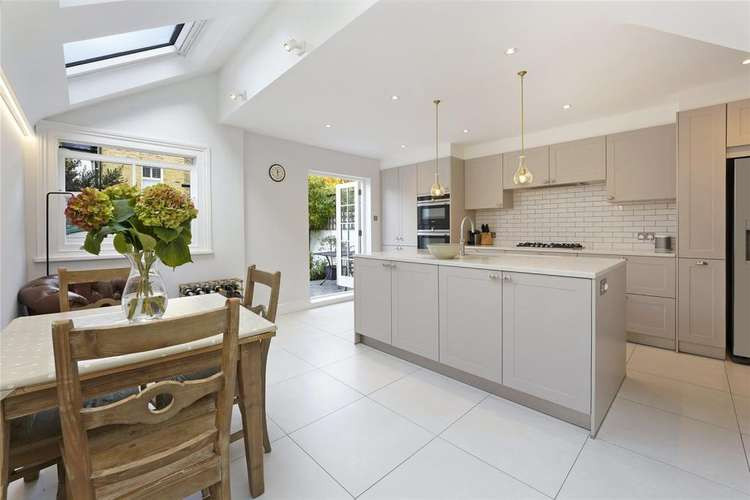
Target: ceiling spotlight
(746, 61)
(466, 131)
(294, 47)
(238, 96)
(567, 106)
(327, 125)
(403, 146)
(394, 98)
(510, 51)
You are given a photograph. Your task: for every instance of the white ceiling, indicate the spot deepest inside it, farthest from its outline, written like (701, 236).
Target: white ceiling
(33, 33)
(577, 53)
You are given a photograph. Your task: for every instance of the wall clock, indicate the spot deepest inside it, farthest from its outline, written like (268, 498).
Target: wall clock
(276, 172)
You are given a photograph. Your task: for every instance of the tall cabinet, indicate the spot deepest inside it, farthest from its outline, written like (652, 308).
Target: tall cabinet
(399, 187)
(701, 202)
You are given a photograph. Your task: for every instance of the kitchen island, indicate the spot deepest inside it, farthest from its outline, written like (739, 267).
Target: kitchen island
(547, 332)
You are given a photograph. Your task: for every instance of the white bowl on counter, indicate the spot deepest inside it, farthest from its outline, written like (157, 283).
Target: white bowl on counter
(443, 250)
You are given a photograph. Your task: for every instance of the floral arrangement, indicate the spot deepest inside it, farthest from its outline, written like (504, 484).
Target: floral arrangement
(156, 219)
(148, 225)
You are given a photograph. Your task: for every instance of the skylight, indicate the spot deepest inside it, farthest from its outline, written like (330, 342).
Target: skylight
(122, 44)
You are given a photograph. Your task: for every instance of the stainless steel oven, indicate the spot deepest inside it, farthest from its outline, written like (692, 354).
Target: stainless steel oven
(433, 214)
(424, 238)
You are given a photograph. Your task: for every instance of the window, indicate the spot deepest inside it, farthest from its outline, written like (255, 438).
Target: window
(84, 56)
(81, 158)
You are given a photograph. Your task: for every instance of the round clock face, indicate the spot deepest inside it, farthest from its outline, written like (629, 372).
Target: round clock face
(276, 172)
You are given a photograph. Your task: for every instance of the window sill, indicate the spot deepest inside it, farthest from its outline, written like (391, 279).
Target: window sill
(104, 256)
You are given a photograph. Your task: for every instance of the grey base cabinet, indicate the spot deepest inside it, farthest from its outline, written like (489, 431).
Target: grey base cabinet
(372, 301)
(702, 305)
(471, 321)
(652, 316)
(414, 310)
(546, 339)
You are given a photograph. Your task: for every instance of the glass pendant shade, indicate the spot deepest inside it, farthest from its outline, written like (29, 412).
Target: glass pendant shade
(523, 175)
(437, 189)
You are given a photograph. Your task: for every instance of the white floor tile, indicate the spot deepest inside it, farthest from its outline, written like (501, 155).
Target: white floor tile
(361, 443)
(429, 399)
(629, 348)
(289, 475)
(607, 471)
(688, 368)
(347, 335)
(369, 370)
(322, 349)
(335, 318)
(690, 400)
(534, 448)
(442, 471)
(742, 405)
(739, 378)
(704, 449)
(300, 400)
(283, 365)
(295, 333)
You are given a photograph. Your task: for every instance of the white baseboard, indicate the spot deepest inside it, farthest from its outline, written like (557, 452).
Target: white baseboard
(302, 305)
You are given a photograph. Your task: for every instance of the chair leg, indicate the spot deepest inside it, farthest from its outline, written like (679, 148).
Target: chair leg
(61, 494)
(265, 347)
(31, 477)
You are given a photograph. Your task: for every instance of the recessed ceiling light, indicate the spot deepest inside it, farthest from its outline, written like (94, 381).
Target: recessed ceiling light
(510, 51)
(466, 131)
(328, 125)
(394, 98)
(403, 146)
(567, 106)
(238, 96)
(746, 61)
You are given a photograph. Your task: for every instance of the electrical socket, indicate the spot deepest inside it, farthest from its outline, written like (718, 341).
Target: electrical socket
(646, 236)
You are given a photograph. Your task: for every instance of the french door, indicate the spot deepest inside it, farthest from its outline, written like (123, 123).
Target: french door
(348, 231)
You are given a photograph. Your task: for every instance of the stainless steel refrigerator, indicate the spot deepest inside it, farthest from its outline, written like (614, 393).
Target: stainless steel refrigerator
(740, 259)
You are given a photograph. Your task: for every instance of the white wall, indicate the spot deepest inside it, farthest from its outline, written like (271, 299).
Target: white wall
(184, 112)
(276, 216)
(13, 149)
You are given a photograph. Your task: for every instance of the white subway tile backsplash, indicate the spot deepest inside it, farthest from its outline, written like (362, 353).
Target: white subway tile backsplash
(579, 213)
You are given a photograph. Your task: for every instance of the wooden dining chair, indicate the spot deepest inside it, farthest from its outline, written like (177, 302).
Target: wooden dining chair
(135, 447)
(68, 278)
(273, 282)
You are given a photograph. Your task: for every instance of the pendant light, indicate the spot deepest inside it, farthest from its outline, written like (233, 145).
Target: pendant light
(437, 189)
(523, 175)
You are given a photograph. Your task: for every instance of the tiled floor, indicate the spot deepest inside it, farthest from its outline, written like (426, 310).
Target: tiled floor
(347, 421)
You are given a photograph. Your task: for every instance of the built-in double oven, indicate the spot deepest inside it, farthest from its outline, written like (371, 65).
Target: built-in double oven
(433, 220)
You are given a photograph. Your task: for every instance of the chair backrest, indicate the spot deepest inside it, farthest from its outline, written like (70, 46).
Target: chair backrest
(124, 446)
(68, 278)
(271, 280)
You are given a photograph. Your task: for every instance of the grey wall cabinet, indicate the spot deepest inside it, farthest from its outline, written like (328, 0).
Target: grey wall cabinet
(551, 367)
(537, 161)
(738, 123)
(471, 321)
(484, 184)
(426, 175)
(578, 161)
(399, 195)
(702, 306)
(701, 182)
(414, 309)
(642, 164)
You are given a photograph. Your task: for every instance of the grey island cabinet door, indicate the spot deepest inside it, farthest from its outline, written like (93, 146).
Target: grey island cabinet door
(578, 161)
(372, 300)
(702, 304)
(415, 308)
(471, 321)
(701, 182)
(547, 338)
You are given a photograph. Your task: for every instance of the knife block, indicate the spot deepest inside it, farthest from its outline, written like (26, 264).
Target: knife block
(485, 239)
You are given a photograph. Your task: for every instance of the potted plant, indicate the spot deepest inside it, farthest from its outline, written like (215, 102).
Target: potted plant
(148, 226)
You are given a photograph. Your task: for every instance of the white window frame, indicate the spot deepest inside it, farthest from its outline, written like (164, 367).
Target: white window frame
(52, 178)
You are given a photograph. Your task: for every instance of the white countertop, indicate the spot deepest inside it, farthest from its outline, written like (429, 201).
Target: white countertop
(26, 356)
(585, 251)
(581, 267)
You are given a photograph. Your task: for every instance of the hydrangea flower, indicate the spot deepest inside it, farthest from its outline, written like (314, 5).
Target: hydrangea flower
(122, 191)
(162, 205)
(90, 210)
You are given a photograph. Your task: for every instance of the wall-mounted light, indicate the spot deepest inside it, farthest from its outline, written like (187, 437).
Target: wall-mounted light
(238, 96)
(294, 47)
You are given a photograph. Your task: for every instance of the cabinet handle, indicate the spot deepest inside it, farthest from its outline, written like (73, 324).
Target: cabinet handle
(701, 263)
(493, 276)
(507, 278)
(385, 264)
(611, 197)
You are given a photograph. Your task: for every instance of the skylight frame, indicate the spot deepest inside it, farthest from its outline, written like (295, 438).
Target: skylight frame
(172, 40)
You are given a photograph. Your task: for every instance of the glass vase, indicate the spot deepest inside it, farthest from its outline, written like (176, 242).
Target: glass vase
(145, 295)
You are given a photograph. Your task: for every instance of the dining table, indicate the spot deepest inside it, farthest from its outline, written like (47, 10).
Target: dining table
(28, 382)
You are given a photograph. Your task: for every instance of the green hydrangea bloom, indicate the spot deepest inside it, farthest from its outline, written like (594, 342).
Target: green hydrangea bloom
(121, 192)
(90, 210)
(162, 205)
